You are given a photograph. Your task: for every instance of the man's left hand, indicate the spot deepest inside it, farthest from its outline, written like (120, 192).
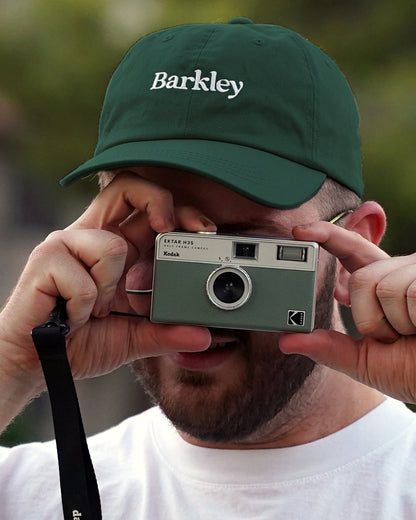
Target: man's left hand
(382, 295)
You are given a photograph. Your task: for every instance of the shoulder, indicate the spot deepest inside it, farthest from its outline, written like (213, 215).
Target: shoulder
(115, 445)
(129, 435)
(27, 470)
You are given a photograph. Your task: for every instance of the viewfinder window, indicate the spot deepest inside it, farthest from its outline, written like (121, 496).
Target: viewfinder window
(245, 250)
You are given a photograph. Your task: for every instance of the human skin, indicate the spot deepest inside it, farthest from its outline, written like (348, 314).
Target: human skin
(88, 264)
(203, 393)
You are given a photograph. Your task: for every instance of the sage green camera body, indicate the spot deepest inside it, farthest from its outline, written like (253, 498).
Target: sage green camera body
(236, 282)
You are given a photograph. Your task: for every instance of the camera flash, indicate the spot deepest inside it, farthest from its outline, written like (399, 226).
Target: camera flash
(292, 253)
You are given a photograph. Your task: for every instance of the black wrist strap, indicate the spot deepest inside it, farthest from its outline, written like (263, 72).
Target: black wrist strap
(79, 490)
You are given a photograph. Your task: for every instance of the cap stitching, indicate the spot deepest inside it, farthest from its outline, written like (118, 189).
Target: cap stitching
(191, 94)
(240, 171)
(301, 44)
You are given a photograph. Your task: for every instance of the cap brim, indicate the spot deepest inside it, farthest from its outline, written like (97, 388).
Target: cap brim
(260, 176)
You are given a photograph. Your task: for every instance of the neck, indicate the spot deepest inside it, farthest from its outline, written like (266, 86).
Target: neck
(335, 403)
(328, 402)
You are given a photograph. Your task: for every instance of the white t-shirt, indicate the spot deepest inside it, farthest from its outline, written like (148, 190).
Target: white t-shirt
(146, 471)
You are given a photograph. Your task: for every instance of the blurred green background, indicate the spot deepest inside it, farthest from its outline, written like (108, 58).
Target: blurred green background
(56, 58)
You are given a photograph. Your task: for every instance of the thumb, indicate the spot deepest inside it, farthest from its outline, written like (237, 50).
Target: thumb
(327, 347)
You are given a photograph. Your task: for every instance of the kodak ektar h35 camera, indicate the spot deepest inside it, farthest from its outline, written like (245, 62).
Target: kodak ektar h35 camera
(236, 282)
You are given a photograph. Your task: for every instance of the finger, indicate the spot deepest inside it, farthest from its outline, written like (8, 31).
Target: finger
(154, 339)
(355, 358)
(189, 218)
(52, 272)
(330, 348)
(352, 249)
(388, 368)
(115, 341)
(377, 295)
(137, 231)
(86, 266)
(127, 192)
(396, 293)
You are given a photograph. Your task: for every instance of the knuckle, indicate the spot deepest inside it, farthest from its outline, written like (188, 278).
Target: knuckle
(116, 247)
(47, 247)
(187, 213)
(56, 240)
(368, 327)
(106, 291)
(39, 251)
(162, 197)
(55, 235)
(88, 294)
(386, 291)
(119, 177)
(360, 278)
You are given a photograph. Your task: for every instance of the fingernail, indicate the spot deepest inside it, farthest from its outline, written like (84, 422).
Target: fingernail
(303, 226)
(206, 222)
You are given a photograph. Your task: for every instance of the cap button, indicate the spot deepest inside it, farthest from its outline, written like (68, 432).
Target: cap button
(240, 20)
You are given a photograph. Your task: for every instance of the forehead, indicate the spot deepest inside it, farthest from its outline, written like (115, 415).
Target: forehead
(223, 205)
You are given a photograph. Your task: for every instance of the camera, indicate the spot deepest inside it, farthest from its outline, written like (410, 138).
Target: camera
(237, 282)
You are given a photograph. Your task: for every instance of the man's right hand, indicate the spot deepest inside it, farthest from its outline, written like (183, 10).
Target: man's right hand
(87, 264)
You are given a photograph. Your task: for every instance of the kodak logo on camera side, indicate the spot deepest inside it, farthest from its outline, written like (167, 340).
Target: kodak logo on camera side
(207, 84)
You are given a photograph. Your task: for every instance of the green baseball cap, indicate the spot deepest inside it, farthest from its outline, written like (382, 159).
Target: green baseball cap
(255, 107)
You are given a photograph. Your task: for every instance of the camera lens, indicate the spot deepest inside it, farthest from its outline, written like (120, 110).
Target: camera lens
(229, 287)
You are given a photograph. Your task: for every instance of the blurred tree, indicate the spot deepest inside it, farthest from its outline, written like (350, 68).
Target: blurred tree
(56, 58)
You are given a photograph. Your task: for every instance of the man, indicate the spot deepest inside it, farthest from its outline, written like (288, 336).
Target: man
(239, 128)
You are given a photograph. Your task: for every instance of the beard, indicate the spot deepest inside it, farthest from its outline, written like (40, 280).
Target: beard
(267, 390)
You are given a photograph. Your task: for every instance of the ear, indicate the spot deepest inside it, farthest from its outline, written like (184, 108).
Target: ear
(369, 220)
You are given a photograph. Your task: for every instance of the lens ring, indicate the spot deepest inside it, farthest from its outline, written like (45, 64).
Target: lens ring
(229, 287)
